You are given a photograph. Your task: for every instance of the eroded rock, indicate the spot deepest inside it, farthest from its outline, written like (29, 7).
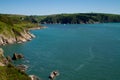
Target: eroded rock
(22, 67)
(33, 77)
(53, 75)
(9, 59)
(17, 56)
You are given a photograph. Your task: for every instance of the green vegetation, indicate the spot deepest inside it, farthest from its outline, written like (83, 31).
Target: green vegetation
(15, 23)
(9, 72)
(15, 28)
(80, 18)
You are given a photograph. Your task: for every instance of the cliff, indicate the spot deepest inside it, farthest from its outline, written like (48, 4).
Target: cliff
(13, 38)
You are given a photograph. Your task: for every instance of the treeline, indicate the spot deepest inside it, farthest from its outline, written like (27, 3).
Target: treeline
(15, 19)
(81, 18)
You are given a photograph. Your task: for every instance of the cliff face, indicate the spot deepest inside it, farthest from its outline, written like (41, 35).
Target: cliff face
(1, 58)
(13, 38)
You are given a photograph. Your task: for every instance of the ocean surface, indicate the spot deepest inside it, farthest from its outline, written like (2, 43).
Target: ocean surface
(77, 51)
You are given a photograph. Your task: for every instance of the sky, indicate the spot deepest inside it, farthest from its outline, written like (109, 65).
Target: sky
(47, 7)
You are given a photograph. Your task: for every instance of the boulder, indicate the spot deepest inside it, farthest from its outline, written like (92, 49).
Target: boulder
(1, 52)
(53, 75)
(3, 60)
(33, 77)
(1, 64)
(9, 59)
(17, 56)
(22, 67)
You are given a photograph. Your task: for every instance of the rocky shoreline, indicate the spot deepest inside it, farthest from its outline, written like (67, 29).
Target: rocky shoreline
(4, 62)
(21, 38)
(11, 39)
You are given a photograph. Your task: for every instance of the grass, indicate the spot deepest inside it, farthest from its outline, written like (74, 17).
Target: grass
(11, 23)
(9, 72)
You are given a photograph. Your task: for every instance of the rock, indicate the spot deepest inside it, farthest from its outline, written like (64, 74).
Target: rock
(17, 56)
(7, 39)
(1, 52)
(33, 36)
(12, 38)
(9, 59)
(22, 67)
(33, 77)
(1, 64)
(53, 75)
(3, 60)
(1, 40)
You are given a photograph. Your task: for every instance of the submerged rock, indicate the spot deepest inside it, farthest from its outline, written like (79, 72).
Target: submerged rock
(17, 56)
(22, 67)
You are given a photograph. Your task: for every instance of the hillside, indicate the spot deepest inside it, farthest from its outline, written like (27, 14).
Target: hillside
(80, 18)
(15, 28)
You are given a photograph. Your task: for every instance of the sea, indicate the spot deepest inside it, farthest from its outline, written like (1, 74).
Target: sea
(76, 51)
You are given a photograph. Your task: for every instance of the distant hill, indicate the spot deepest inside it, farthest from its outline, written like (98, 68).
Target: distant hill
(80, 18)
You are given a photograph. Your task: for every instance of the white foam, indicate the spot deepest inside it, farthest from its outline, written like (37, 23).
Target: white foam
(92, 56)
(79, 67)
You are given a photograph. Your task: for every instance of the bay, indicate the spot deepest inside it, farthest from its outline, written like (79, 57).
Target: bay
(77, 51)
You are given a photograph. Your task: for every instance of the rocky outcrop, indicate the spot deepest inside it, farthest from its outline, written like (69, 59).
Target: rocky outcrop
(13, 38)
(9, 59)
(22, 67)
(33, 77)
(1, 52)
(24, 36)
(17, 56)
(3, 60)
(15, 73)
(1, 57)
(53, 75)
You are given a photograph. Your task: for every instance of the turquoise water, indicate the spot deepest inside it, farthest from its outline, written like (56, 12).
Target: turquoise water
(78, 52)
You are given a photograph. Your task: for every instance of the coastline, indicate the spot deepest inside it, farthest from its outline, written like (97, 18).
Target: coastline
(21, 38)
(4, 62)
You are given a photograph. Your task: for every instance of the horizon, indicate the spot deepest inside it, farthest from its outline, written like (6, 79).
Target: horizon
(45, 7)
(56, 14)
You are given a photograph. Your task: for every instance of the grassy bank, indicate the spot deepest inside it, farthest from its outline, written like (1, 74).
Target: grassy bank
(15, 28)
(9, 72)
